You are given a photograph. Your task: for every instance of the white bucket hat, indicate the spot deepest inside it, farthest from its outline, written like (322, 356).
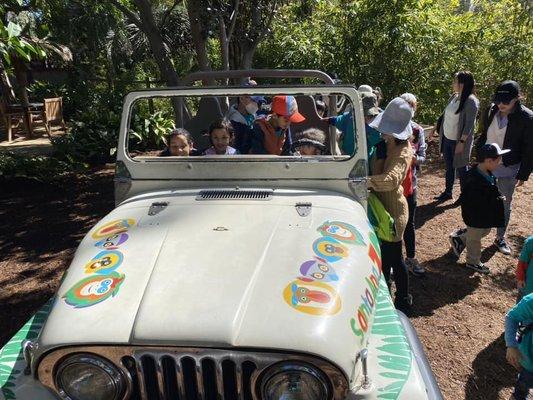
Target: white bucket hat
(395, 120)
(365, 89)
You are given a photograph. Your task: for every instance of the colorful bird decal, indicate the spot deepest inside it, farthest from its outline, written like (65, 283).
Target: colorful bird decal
(318, 269)
(113, 227)
(330, 249)
(315, 298)
(104, 262)
(93, 290)
(341, 231)
(112, 242)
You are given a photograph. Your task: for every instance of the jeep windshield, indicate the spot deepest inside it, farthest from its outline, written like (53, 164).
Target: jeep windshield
(255, 125)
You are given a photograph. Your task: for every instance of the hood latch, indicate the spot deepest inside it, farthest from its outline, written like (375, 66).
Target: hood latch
(303, 209)
(157, 207)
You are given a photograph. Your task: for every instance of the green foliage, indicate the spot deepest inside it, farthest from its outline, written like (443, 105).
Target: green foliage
(41, 168)
(406, 45)
(152, 131)
(13, 45)
(92, 138)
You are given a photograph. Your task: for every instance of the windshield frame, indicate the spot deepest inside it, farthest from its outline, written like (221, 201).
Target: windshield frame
(266, 167)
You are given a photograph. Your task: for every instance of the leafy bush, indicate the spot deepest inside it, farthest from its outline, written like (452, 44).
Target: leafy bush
(407, 45)
(92, 138)
(41, 168)
(151, 131)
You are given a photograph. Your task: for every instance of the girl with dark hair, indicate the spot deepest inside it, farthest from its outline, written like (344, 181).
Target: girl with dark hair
(221, 137)
(456, 130)
(180, 144)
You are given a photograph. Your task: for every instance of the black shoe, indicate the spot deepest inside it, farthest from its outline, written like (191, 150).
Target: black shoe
(404, 304)
(481, 268)
(443, 197)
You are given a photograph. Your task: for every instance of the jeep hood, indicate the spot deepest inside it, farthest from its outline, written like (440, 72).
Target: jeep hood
(225, 273)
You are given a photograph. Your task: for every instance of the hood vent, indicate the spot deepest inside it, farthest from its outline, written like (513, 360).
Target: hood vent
(235, 194)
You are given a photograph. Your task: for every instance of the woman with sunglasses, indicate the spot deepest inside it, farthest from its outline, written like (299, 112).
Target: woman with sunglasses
(456, 130)
(510, 124)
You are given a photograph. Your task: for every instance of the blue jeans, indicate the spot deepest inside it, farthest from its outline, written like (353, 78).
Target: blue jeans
(523, 384)
(448, 151)
(506, 187)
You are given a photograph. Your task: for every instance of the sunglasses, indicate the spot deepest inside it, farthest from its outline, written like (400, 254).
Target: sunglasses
(504, 102)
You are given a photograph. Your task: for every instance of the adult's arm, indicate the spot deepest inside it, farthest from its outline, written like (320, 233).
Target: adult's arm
(392, 178)
(526, 163)
(422, 146)
(470, 110)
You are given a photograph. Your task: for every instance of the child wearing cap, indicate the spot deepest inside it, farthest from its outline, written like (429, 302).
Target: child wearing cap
(524, 269)
(270, 134)
(311, 142)
(481, 207)
(519, 342)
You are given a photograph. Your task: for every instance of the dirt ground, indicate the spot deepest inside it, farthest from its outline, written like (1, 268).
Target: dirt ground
(458, 313)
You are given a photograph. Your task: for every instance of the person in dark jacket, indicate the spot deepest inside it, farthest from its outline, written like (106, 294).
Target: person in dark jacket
(510, 124)
(481, 206)
(242, 116)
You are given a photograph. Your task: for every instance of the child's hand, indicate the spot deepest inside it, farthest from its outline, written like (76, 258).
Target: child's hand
(513, 357)
(520, 284)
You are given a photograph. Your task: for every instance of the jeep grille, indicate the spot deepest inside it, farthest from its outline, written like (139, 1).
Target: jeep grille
(235, 194)
(176, 373)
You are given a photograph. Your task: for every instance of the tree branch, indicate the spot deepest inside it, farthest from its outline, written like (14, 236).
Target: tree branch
(167, 14)
(266, 25)
(128, 13)
(233, 20)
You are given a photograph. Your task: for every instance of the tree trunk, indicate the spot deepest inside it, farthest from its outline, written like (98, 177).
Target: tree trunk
(5, 84)
(161, 56)
(22, 79)
(199, 40)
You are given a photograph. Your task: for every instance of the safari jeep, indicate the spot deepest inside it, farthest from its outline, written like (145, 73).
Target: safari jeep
(246, 277)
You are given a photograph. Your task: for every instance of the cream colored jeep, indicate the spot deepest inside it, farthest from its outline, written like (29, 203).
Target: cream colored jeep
(225, 277)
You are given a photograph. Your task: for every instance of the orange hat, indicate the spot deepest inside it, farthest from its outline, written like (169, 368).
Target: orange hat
(287, 107)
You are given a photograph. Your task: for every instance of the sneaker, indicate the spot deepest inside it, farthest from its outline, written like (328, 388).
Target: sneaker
(502, 245)
(414, 266)
(443, 197)
(480, 267)
(457, 244)
(458, 232)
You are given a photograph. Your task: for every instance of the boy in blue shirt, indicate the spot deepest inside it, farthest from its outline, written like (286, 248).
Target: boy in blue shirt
(519, 342)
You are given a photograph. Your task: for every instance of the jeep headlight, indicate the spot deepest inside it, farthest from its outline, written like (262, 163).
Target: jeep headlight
(88, 377)
(294, 381)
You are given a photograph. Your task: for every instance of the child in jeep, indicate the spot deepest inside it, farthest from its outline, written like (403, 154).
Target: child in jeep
(311, 142)
(220, 136)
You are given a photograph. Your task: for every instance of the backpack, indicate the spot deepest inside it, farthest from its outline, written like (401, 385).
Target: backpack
(380, 219)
